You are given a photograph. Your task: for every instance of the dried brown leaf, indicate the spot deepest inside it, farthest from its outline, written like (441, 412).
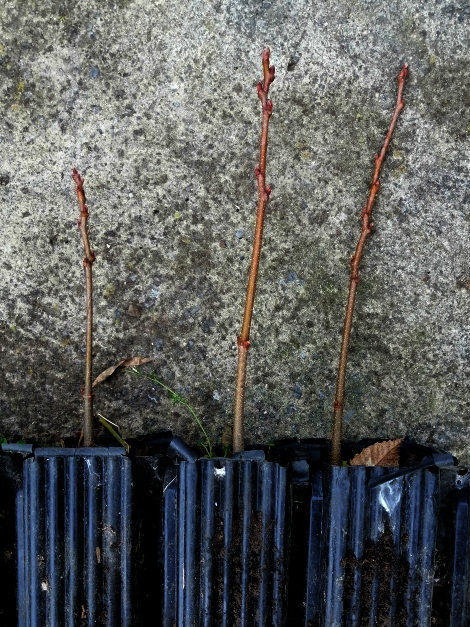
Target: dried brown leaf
(379, 454)
(129, 362)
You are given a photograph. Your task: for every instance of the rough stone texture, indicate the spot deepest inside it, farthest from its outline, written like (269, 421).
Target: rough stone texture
(155, 103)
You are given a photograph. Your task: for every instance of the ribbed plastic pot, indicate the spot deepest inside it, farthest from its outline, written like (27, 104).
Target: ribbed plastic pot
(10, 482)
(170, 539)
(451, 594)
(383, 552)
(73, 538)
(378, 546)
(460, 589)
(225, 542)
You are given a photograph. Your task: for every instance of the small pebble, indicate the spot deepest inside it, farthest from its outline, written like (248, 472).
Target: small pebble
(94, 71)
(134, 310)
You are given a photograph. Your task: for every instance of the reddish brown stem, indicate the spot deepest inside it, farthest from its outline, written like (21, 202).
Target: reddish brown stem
(87, 390)
(367, 226)
(243, 339)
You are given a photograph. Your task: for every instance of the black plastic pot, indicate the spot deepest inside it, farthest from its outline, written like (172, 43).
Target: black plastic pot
(460, 591)
(225, 542)
(73, 515)
(385, 546)
(451, 593)
(378, 547)
(11, 471)
(102, 539)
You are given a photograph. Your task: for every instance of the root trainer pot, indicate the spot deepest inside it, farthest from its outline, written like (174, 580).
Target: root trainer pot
(99, 538)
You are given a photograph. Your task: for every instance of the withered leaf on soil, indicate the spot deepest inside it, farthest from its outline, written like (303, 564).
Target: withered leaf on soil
(129, 362)
(379, 454)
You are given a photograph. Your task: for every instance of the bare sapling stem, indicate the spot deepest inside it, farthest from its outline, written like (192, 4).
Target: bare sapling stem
(87, 390)
(243, 340)
(367, 226)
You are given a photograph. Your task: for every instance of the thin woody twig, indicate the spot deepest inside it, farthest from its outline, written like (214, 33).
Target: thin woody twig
(367, 226)
(243, 339)
(87, 391)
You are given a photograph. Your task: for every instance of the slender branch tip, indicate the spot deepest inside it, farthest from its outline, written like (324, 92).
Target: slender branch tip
(265, 55)
(79, 180)
(268, 71)
(405, 70)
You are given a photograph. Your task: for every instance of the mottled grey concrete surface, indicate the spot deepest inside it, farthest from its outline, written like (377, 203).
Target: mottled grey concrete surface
(155, 103)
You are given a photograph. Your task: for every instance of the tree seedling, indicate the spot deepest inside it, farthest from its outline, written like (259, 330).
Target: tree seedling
(89, 258)
(87, 389)
(367, 226)
(243, 340)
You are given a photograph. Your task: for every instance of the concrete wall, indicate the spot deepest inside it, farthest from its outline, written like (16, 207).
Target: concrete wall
(155, 103)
